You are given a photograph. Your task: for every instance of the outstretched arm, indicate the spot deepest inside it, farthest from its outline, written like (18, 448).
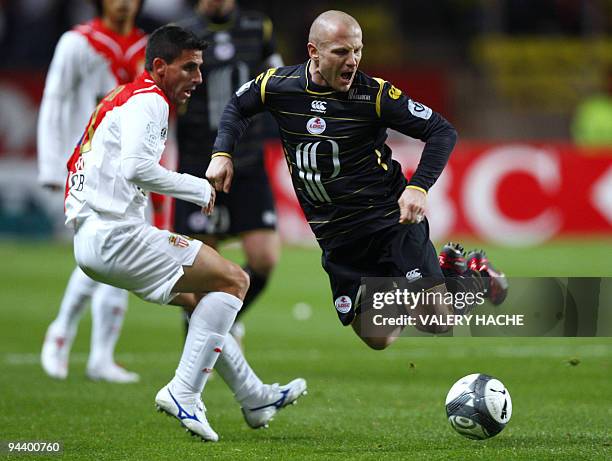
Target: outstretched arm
(248, 101)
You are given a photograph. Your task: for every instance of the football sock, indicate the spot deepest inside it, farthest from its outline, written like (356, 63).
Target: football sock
(236, 372)
(208, 328)
(79, 289)
(257, 285)
(108, 307)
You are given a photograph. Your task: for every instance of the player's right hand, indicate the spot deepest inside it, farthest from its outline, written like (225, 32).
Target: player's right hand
(220, 173)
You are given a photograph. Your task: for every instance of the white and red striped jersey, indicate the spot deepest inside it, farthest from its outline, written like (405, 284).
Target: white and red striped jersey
(89, 61)
(117, 160)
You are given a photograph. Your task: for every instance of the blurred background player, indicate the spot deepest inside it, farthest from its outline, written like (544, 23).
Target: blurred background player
(89, 61)
(242, 45)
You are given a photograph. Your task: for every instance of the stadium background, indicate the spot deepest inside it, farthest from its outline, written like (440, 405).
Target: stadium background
(528, 84)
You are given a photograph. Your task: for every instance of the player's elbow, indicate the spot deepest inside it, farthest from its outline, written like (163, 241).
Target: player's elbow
(132, 169)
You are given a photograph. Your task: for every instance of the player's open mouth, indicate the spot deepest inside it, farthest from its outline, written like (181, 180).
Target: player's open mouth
(187, 93)
(346, 76)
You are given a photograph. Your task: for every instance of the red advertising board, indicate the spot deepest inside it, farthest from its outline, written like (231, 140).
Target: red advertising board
(509, 193)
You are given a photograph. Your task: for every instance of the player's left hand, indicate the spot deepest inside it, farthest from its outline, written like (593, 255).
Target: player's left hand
(220, 173)
(208, 209)
(412, 204)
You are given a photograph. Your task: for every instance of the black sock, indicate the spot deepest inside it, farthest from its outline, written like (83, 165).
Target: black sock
(258, 283)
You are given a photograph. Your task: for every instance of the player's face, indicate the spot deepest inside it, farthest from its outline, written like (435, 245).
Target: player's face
(339, 59)
(216, 8)
(120, 10)
(182, 76)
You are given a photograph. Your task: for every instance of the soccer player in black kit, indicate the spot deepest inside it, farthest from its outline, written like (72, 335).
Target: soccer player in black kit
(367, 217)
(241, 46)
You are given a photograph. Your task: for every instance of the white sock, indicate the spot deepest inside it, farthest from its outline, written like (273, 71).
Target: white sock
(236, 372)
(78, 291)
(210, 322)
(108, 306)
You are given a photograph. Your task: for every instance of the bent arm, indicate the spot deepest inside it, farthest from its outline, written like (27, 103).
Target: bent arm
(142, 123)
(416, 120)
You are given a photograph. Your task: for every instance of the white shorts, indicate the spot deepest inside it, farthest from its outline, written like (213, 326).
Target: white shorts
(134, 255)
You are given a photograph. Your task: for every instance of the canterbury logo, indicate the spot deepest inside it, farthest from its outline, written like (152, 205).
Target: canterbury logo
(318, 106)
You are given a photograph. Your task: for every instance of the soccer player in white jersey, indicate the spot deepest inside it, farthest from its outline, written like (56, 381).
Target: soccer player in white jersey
(110, 172)
(89, 61)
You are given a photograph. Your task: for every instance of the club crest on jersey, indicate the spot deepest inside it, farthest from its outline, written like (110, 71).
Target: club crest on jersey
(316, 125)
(394, 93)
(178, 241)
(343, 304)
(318, 106)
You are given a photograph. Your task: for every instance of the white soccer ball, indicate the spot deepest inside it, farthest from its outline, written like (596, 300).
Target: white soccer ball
(478, 406)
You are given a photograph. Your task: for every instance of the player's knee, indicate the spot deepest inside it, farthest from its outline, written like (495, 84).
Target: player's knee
(433, 329)
(264, 260)
(378, 344)
(264, 264)
(238, 281)
(440, 312)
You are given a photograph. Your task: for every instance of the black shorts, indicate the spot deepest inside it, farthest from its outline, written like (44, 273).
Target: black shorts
(402, 250)
(248, 206)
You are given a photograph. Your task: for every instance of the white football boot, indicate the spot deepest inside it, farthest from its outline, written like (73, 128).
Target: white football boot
(191, 413)
(112, 373)
(259, 409)
(55, 352)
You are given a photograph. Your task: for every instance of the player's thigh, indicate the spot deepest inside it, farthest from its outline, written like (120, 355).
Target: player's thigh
(262, 249)
(212, 272)
(410, 253)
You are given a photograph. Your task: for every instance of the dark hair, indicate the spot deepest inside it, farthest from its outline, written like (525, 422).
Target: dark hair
(99, 7)
(167, 42)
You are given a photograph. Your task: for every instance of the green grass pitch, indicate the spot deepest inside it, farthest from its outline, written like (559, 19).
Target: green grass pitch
(361, 404)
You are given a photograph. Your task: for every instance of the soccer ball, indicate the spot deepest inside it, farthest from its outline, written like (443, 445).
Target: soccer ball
(478, 406)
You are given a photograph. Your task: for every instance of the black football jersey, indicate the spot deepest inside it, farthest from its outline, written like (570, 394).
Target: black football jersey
(334, 144)
(237, 52)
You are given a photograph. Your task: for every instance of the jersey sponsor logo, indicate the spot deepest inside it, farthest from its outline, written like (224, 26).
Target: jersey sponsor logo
(244, 87)
(224, 49)
(151, 138)
(394, 93)
(268, 217)
(309, 172)
(316, 125)
(318, 106)
(413, 275)
(164, 133)
(419, 110)
(343, 304)
(358, 97)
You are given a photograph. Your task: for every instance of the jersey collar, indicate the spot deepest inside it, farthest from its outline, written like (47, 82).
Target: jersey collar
(311, 87)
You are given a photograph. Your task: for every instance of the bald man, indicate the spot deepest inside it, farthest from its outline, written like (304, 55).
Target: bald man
(369, 220)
